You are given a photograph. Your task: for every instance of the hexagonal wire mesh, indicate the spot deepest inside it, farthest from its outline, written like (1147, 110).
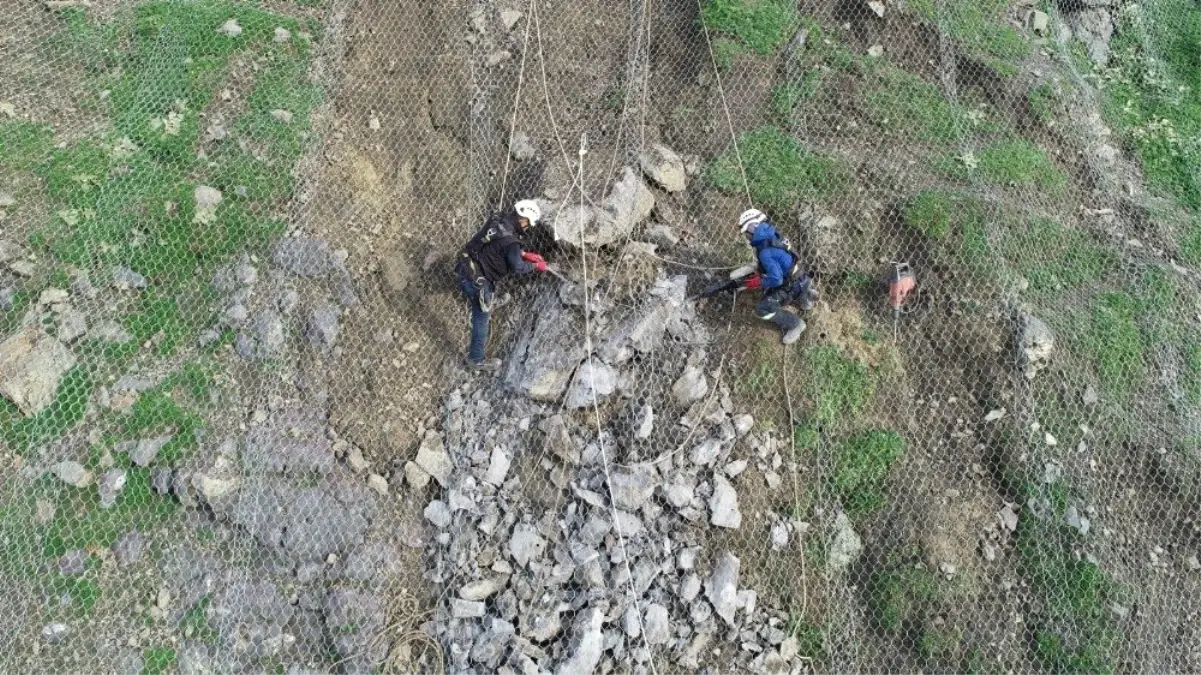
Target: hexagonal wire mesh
(238, 431)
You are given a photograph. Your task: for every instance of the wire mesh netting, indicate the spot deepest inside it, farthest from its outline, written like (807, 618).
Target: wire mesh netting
(240, 435)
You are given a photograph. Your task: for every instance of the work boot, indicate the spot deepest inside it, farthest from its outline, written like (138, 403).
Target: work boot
(795, 333)
(485, 366)
(806, 305)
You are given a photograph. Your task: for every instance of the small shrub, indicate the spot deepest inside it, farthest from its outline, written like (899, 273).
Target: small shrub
(781, 171)
(900, 597)
(810, 639)
(158, 660)
(1043, 101)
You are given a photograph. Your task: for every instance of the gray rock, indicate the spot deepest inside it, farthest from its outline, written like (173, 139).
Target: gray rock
(645, 423)
(657, 626)
(6, 299)
(125, 279)
(631, 623)
(322, 328)
(544, 621)
(526, 544)
(632, 488)
(1094, 27)
(263, 339)
(510, 17)
(22, 268)
(1074, 520)
(522, 149)
(53, 633)
(72, 473)
(1090, 395)
(846, 544)
(207, 199)
(558, 439)
(706, 453)
(722, 587)
(32, 364)
(662, 236)
(779, 535)
(128, 548)
(111, 331)
(483, 589)
(438, 513)
(282, 34)
(629, 203)
(291, 441)
(743, 424)
(690, 587)
(43, 512)
(540, 372)
(144, 451)
(498, 57)
(662, 165)
(378, 483)
(218, 483)
(72, 325)
(1009, 519)
(593, 381)
(6, 200)
(1037, 345)
(303, 257)
(130, 662)
(111, 484)
(466, 609)
(723, 506)
(160, 479)
(73, 563)
(343, 288)
(230, 28)
(433, 459)
(498, 467)
(587, 644)
(691, 386)
(679, 492)
(1193, 563)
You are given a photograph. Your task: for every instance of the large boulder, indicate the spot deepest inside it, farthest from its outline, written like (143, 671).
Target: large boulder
(1037, 345)
(629, 203)
(662, 165)
(546, 355)
(32, 363)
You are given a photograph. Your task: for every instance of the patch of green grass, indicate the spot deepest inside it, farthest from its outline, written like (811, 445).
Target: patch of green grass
(838, 387)
(930, 212)
(1074, 630)
(901, 597)
(159, 410)
(1154, 103)
(906, 105)
(780, 170)
(1055, 258)
(1190, 243)
(810, 639)
(1116, 344)
(861, 464)
(981, 26)
(760, 26)
(79, 521)
(83, 593)
(23, 145)
(1017, 163)
(195, 623)
(70, 403)
(1043, 101)
(158, 660)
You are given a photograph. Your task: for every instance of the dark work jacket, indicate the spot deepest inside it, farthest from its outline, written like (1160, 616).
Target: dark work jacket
(496, 249)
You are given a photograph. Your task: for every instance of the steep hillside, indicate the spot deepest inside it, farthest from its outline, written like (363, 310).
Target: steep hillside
(237, 430)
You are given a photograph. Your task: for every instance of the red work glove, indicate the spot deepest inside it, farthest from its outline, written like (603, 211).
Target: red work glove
(753, 282)
(535, 260)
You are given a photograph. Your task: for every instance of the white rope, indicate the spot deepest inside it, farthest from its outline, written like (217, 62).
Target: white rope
(525, 50)
(596, 408)
(721, 90)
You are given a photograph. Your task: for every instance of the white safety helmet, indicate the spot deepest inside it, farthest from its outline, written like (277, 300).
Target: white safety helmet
(528, 209)
(749, 219)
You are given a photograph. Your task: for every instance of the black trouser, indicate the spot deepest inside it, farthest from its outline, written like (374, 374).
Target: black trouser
(771, 306)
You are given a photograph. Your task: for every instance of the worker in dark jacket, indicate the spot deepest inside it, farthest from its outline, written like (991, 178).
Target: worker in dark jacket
(778, 274)
(492, 254)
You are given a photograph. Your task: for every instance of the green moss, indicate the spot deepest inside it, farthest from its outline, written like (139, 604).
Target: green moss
(1044, 102)
(785, 98)
(1021, 164)
(1116, 344)
(158, 660)
(982, 28)
(900, 597)
(780, 170)
(837, 386)
(909, 107)
(195, 623)
(80, 521)
(861, 464)
(931, 212)
(82, 593)
(810, 639)
(939, 645)
(23, 145)
(68, 408)
(760, 26)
